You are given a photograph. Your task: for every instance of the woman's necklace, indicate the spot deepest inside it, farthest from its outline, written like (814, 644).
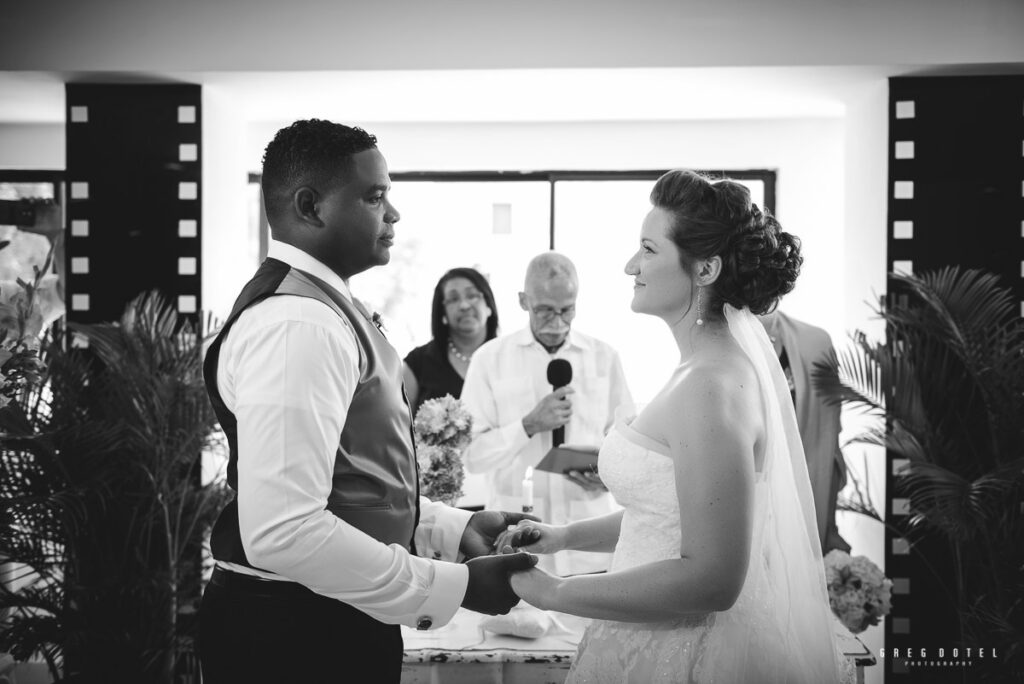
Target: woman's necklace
(457, 354)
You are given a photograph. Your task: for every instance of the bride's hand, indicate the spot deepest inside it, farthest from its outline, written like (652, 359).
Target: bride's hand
(531, 536)
(536, 587)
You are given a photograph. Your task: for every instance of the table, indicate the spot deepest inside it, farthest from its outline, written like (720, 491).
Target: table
(463, 653)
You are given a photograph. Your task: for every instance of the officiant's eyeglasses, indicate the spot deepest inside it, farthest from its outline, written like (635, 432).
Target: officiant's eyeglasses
(547, 313)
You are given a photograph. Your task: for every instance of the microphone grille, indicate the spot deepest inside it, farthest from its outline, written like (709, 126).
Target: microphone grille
(559, 372)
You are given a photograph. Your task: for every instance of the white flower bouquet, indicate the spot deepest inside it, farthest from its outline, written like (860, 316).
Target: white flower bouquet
(443, 429)
(859, 593)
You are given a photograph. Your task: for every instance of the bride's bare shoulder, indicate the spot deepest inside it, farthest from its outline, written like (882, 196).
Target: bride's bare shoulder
(724, 368)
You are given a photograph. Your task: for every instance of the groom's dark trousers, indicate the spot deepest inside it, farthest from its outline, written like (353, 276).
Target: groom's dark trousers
(247, 624)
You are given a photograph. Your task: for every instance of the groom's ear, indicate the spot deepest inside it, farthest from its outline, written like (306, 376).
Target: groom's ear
(305, 205)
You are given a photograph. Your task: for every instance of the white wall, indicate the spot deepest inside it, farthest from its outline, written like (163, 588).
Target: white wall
(32, 146)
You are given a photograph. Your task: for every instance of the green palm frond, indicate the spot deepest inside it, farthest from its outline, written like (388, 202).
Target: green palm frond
(107, 464)
(961, 302)
(854, 377)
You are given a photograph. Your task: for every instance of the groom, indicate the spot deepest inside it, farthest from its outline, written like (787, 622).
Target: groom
(327, 547)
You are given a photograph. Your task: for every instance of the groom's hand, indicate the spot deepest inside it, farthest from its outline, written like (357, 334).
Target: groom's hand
(489, 590)
(484, 528)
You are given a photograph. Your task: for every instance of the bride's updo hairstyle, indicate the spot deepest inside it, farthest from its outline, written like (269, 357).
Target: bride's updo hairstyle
(760, 262)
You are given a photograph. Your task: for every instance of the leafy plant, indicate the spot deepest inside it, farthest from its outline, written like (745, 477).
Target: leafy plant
(103, 507)
(947, 388)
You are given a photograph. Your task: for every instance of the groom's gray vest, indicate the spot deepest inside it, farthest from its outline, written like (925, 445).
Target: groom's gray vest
(375, 486)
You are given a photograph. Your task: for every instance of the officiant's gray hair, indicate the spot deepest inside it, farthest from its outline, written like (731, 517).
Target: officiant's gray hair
(550, 265)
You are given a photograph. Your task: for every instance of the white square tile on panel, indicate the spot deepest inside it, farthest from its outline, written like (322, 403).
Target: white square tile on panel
(901, 625)
(80, 228)
(1022, 269)
(186, 304)
(900, 546)
(904, 149)
(79, 264)
(900, 506)
(903, 267)
(188, 228)
(79, 114)
(903, 230)
(903, 189)
(79, 190)
(188, 191)
(905, 109)
(186, 114)
(901, 585)
(188, 152)
(79, 302)
(186, 265)
(79, 341)
(899, 465)
(501, 219)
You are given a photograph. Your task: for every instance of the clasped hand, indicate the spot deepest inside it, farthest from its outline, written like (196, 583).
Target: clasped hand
(489, 590)
(498, 581)
(534, 586)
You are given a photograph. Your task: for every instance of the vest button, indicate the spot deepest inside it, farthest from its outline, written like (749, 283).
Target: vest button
(424, 623)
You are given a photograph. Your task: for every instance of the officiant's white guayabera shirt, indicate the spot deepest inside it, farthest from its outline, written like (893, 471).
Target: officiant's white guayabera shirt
(506, 379)
(293, 418)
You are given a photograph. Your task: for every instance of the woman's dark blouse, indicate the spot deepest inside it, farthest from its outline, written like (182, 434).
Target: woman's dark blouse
(435, 375)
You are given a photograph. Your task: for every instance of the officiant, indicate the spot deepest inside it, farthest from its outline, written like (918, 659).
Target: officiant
(518, 415)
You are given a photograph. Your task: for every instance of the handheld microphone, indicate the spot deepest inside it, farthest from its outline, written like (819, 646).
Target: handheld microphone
(559, 375)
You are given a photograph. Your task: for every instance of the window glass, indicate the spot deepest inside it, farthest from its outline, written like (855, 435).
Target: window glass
(495, 227)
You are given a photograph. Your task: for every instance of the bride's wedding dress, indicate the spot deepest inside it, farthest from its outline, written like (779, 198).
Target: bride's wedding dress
(780, 628)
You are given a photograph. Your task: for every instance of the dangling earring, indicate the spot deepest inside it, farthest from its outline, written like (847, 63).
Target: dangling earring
(700, 310)
(444, 320)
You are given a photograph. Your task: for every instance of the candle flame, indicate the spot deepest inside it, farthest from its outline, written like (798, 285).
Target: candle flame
(529, 472)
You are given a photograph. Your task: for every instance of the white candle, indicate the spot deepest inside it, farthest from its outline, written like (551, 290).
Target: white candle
(528, 491)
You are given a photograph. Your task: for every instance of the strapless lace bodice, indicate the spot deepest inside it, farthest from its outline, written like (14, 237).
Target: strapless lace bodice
(640, 474)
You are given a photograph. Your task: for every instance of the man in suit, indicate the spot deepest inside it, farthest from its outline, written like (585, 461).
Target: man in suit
(800, 345)
(327, 547)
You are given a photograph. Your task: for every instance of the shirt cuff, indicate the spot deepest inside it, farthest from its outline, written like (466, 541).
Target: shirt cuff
(445, 596)
(447, 526)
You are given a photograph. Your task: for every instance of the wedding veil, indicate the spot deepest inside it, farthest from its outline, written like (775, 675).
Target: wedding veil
(781, 627)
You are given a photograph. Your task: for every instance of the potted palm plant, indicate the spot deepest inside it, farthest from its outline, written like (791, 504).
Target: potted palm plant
(104, 509)
(947, 388)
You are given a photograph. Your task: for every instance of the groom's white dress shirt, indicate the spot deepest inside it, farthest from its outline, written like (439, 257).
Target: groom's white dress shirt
(288, 370)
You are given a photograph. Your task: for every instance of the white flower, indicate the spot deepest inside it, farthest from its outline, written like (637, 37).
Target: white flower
(442, 429)
(859, 593)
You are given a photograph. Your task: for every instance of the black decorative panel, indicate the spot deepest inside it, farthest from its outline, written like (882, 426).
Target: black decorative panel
(956, 197)
(134, 192)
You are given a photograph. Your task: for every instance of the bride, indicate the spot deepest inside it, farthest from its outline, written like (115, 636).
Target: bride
(717, 574)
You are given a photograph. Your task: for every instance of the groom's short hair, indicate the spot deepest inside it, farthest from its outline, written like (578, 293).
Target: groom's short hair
(310, 152)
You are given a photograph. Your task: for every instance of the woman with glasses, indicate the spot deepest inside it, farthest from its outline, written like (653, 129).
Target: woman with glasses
(463, 316)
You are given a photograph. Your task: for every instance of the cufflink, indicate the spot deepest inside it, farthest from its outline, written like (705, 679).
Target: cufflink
(424, 623)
